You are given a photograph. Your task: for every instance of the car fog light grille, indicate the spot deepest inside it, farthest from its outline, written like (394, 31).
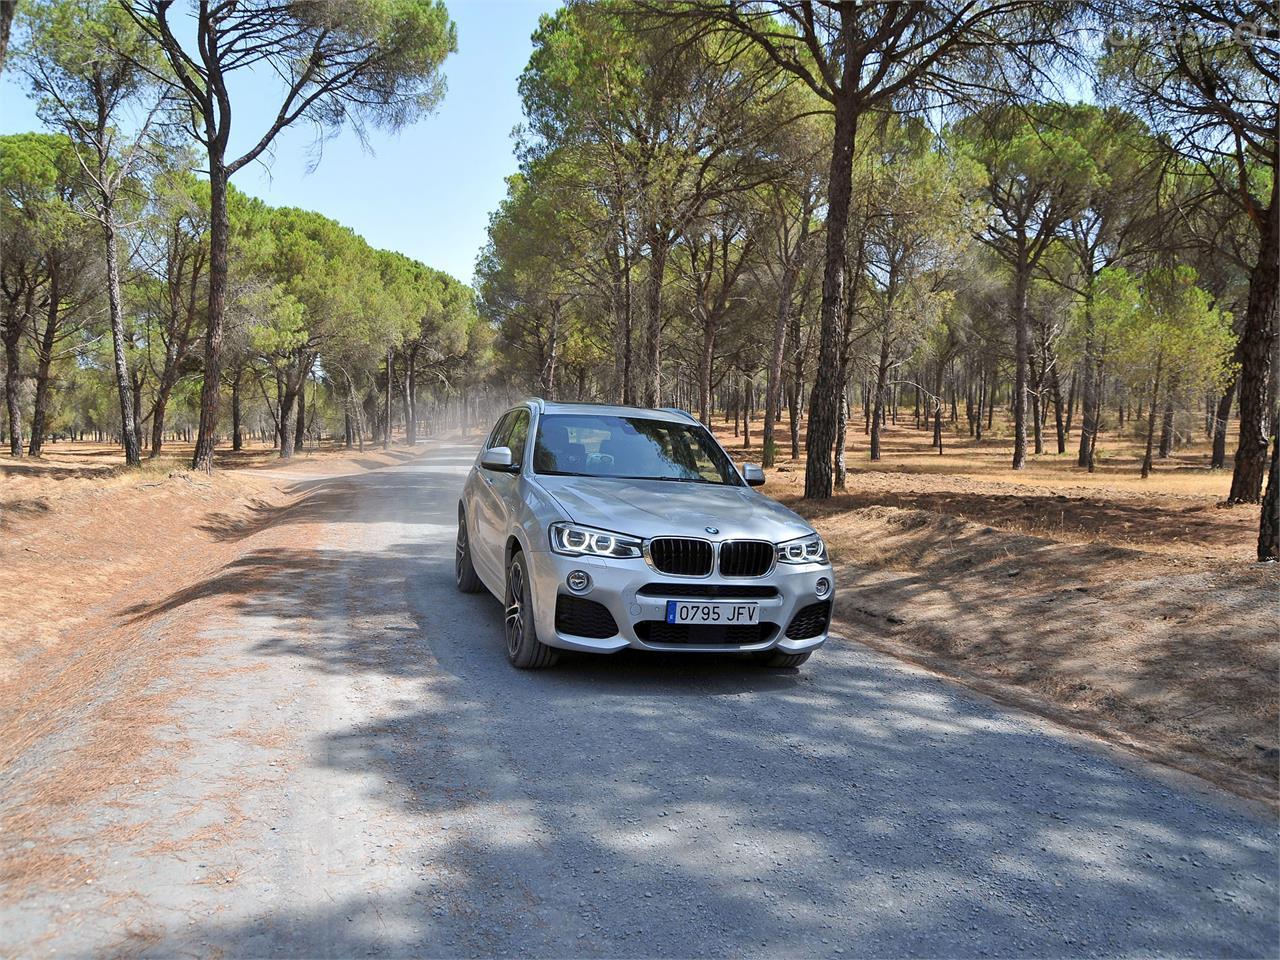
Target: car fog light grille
(580, 617)
(810, 621)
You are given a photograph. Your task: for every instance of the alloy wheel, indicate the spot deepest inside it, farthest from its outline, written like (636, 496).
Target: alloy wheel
(515, 609)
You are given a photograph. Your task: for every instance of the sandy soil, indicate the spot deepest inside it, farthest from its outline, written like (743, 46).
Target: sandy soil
(1129, 609)
(88, 661)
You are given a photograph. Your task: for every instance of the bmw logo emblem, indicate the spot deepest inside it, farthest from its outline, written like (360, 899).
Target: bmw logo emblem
(712, 529)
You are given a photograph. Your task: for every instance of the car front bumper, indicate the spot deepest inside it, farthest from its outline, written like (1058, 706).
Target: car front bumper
(616, 585)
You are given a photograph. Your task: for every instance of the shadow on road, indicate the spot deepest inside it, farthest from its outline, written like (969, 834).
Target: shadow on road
(673, 806)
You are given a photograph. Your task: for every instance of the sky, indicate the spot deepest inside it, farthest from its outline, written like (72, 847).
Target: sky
(426, 191)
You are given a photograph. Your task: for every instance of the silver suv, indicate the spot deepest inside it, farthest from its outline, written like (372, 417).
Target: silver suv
(604, 527)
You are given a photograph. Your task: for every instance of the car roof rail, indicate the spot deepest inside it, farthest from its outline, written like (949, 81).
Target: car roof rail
(676, 410)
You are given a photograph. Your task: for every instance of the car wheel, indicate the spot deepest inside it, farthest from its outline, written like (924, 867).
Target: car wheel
(776, 658)
(524, 649)
(463, 570)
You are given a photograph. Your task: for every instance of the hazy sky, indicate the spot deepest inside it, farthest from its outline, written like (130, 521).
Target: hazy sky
(426, 191)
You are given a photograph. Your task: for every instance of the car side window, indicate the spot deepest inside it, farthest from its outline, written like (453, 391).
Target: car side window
(497, 437)
(518, 435)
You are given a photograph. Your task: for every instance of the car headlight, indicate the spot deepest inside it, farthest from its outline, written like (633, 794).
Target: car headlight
(808, 549)
(572, 540)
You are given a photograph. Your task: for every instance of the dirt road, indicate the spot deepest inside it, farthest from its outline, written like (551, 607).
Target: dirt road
(358, 772)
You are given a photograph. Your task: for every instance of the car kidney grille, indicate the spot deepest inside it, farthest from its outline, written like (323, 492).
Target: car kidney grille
(661, 632)
(579, 617)
(680, 557)
(810, 621)
(746, 558)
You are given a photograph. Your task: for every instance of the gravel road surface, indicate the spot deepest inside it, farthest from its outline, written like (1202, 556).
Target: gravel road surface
(363, 774)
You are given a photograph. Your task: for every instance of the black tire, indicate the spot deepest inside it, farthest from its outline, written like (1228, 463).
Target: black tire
(524, 649)
(776, 658)
(464, 571)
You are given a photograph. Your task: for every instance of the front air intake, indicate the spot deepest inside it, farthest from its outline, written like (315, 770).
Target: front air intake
(681, 556)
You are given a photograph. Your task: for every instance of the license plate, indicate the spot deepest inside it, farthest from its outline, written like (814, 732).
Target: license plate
(729, 614)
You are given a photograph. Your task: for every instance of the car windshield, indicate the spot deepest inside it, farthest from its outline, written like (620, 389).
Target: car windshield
(629, 448)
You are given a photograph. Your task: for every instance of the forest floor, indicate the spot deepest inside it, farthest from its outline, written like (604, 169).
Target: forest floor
(1132, 610)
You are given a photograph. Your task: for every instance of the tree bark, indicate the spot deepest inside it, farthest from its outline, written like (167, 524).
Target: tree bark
(1151, 417)
(115, 308)
(797, 386)
(1269, 521)
(706, 358)
(1166, 428)
(163, 390)
(237, 434)
(1022, 357)
(13, 376)
(651, 391)
(1257, 346)
(882, 371)
(552, 357)
(1056, 386)
(44, 361)
(773, 384)
(386, 407)
(937, 409)
(219, 239)
(842, 427)
(411, 395)
(1223, 412)
(300, 426)
(824, 398)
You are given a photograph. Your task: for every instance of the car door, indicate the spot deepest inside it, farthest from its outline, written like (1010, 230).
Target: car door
(500, 491)
(486, 511)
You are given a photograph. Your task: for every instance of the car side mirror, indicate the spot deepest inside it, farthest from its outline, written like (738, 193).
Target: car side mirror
(499, 459)
(752, 473)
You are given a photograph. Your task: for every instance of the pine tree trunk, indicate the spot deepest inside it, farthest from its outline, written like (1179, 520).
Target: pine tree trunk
(1269, 521)
(773, 384)
(300, 425)
(1166, 429)
(1151, 418)
(237, 434)
(1022, 356)
(411, 396)
(386, 405)
(13, 377)
(1221, 415)
(219, 240)
(1257, 347)
(842, 424)
(706, 358)
(1059, 425)
(44, 361)
(651, 394)
(115, 309)
(824, 400)
(882, 371)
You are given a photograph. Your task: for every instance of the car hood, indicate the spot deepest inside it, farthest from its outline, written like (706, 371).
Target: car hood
(656, 508)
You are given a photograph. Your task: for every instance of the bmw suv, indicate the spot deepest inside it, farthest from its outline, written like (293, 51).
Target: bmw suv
(604, 527)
